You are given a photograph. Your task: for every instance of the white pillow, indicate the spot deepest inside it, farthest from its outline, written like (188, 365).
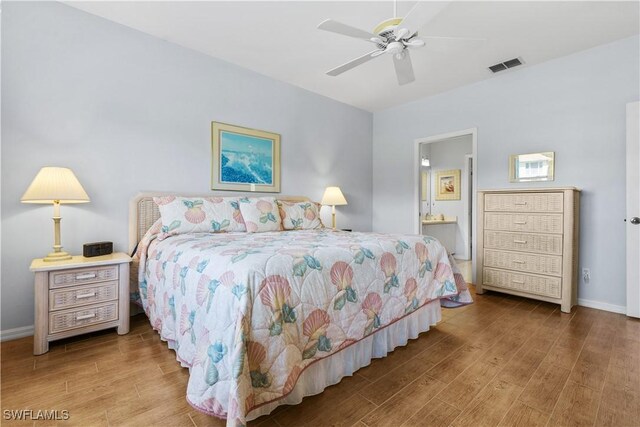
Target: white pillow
(260, 214)
(199, 215)
(300, 215)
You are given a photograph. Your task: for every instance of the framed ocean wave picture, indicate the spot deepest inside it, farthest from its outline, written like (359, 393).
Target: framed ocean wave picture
(244, 159)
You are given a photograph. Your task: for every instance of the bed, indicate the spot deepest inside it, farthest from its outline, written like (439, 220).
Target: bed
(264, 319)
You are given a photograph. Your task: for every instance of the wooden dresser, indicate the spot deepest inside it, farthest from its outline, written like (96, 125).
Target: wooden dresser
(527, 243)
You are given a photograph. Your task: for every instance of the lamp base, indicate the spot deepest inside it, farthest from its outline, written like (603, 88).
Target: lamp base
(57, 256)
(333, 217)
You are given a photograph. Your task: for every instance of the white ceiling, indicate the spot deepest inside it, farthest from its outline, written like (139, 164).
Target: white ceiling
(279, 39)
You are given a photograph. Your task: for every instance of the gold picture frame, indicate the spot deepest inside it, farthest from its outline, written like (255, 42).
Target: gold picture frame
(244, 159)
(448, 184)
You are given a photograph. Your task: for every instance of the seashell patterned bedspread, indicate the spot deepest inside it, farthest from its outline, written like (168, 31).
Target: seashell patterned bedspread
(247, 312)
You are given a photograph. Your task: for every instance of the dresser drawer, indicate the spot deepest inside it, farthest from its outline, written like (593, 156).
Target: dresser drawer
(524, 202)
(537, 285)
(82, 295)
(60, 321)
(58, 279)
(534, 223)
(538, 243)
(522, 261)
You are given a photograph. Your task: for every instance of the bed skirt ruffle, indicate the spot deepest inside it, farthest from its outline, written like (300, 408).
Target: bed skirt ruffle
(329, 371)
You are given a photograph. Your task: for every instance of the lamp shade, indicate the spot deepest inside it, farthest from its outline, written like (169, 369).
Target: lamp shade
(55, 184)
(333, 197)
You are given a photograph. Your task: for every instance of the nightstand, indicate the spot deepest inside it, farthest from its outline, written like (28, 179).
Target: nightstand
(80, 295)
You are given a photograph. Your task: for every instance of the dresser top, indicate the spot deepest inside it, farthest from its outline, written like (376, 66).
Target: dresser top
(529, 190)
(39, 264)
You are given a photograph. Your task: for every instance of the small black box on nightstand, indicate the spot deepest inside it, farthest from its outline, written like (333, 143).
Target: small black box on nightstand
(97, 249)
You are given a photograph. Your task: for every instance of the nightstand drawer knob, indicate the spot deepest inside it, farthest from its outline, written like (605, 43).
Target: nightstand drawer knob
(87, 295)
(85, 316)
(86, 276)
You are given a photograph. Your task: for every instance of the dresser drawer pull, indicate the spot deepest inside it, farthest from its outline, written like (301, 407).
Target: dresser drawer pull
(86, 276)
(523, 242)
(520, 222)
(517, 261)
(521, 203)
(85, 316)
(520, 282)
(89, 295)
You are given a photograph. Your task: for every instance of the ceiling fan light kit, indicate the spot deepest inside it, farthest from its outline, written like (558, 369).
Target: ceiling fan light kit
(394, 36)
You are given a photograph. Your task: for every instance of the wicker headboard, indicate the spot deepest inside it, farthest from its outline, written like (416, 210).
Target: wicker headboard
(143, 212)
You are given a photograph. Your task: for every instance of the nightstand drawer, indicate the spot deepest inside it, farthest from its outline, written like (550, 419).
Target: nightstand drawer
(80, 276)
(82, 295)
(61, 321)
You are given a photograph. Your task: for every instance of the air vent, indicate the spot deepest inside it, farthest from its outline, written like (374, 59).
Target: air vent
(512, 63)
(498, 67)
(505, 65)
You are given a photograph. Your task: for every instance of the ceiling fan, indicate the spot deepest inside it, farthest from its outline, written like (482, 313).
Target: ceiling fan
(396, 36)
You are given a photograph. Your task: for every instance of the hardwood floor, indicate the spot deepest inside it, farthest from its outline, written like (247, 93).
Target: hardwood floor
(504, 361)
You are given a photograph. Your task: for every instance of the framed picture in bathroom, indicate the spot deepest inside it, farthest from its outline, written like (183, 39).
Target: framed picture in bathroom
(448, 184)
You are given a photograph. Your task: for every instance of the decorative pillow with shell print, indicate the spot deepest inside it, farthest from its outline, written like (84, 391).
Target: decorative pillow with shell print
(300, 215)
(260, 214)
(199, 215)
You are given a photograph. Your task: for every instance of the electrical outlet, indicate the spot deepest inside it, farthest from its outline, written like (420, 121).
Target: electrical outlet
(586, 275)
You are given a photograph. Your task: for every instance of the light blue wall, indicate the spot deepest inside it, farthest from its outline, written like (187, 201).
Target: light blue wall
(574, 106)
(129, 112)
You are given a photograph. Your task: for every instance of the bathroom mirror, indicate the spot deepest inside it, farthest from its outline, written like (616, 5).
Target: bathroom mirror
(531, 167)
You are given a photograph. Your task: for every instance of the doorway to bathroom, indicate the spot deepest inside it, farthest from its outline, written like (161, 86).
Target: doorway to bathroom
(445, 194)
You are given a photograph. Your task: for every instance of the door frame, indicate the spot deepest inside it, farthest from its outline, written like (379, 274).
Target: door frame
(469, 207)
(416, 181)
(631, 238)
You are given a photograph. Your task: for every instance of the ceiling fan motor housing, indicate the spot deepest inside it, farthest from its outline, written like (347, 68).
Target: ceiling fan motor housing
(385, 28)
(394, 41)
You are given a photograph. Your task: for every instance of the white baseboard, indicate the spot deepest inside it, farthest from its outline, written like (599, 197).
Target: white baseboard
(15, 333)
(602, 306)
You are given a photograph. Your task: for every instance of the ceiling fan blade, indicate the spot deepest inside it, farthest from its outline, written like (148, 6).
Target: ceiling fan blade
(345, 30)
(353, 63)
(451, 44)
(404, 68)
(418, 17)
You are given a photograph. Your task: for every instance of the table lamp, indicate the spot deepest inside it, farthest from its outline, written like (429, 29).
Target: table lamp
(333, 197)
(55, 185)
